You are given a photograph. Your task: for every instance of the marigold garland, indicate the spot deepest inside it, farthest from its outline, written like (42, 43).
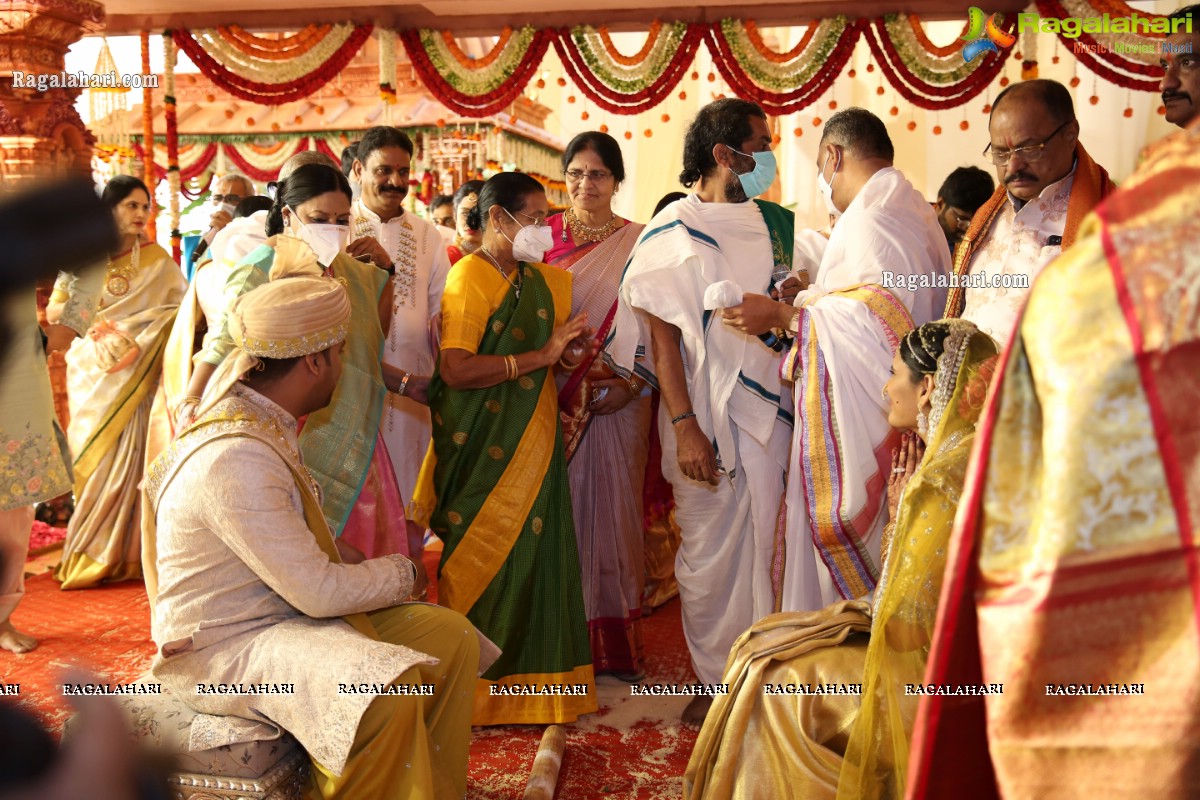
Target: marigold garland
(150, 175)
(954, 48)
(387, 65)
(285, 86)
(921, 92)
(628, 90)
(637, 58)
(1098, 51)
(782, 88)
(476, 93)
(485, 60)
(756, 40)
(261, 47)
(172, 122)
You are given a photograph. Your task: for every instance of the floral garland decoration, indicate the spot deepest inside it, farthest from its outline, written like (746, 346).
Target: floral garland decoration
(628, 84)
(782, 87)
(476, 88)
(286, 81)
(173, 179)
(1029, 55)
(262, 167)
(274, 49)
(387, 65)
(194, 161)
(924, 79)
(149, 174)
(1102, 52)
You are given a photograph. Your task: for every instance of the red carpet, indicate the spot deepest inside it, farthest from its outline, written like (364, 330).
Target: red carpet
(634, 748)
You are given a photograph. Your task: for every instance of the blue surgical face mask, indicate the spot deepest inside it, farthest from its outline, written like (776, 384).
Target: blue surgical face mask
(759, 179)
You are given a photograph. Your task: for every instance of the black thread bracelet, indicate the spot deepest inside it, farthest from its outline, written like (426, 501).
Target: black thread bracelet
(682, 417)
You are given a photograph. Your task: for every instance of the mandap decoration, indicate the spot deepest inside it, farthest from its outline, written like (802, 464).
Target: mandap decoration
(628, 84)
(934, 77)
(272, 71)
(1119, 58)
(476, 87)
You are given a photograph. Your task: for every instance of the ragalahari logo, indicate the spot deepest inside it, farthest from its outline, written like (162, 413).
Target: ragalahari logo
(983, 35)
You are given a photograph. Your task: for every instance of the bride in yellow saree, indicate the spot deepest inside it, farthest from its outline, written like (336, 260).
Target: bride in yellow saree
(817, 706)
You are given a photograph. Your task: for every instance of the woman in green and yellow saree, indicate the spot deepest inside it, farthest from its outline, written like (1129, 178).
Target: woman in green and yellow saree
(494, 486)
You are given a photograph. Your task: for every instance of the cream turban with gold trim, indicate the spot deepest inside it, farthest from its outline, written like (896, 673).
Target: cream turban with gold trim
(298, 312)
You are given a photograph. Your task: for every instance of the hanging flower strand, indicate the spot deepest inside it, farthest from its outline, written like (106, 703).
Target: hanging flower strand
(173, 179)
(387, 65)
(149, 172)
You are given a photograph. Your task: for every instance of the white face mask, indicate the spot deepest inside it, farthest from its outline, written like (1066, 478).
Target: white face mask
(532, 241)
(826, 186)
(325, 240)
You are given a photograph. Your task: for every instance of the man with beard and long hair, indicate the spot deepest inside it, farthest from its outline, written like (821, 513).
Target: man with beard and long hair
(725, 417)
(1047, 185)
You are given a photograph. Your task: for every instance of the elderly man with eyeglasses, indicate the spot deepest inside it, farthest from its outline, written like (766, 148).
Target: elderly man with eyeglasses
(1048, 184)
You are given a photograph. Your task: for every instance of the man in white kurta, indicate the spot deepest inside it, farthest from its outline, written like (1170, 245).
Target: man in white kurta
(724, 419)
(262, 622)
(1047, 185)
(396, 238)
(883, 270)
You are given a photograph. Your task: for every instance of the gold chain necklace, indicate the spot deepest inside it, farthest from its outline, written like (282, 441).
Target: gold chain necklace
(583, 233)
(491, 259)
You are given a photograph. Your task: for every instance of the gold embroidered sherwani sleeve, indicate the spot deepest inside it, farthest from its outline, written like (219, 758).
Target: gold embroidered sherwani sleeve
(251, 503)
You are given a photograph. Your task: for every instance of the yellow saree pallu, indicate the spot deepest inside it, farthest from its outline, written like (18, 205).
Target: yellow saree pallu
(1074, 577)
(112, 373)
(761, 741)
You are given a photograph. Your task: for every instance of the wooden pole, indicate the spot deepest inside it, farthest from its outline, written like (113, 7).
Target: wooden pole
(543, 778)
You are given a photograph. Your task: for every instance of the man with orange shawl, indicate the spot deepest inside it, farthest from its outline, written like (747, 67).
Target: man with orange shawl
(1072, 574)
(1047, 185)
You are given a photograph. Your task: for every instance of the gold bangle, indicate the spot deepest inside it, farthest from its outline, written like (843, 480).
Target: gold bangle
(511, 368)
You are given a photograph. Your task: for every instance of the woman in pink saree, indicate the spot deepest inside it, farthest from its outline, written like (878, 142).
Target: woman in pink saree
(605, 417)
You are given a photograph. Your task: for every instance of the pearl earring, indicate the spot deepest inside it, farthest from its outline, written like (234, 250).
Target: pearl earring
(922, 423)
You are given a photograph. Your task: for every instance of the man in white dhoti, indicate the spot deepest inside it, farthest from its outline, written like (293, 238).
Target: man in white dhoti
(253, 591)
(883, 271)
(725, 419)
(1048, 184)
(412, 248)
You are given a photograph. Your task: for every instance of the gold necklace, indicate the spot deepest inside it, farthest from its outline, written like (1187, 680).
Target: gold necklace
(491, 259)
(118, 280)
(583, 233)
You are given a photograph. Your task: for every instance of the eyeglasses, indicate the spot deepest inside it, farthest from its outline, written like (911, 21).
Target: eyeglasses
(595, 175)
(1028, 153)
(232, 199)
(538, 221)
